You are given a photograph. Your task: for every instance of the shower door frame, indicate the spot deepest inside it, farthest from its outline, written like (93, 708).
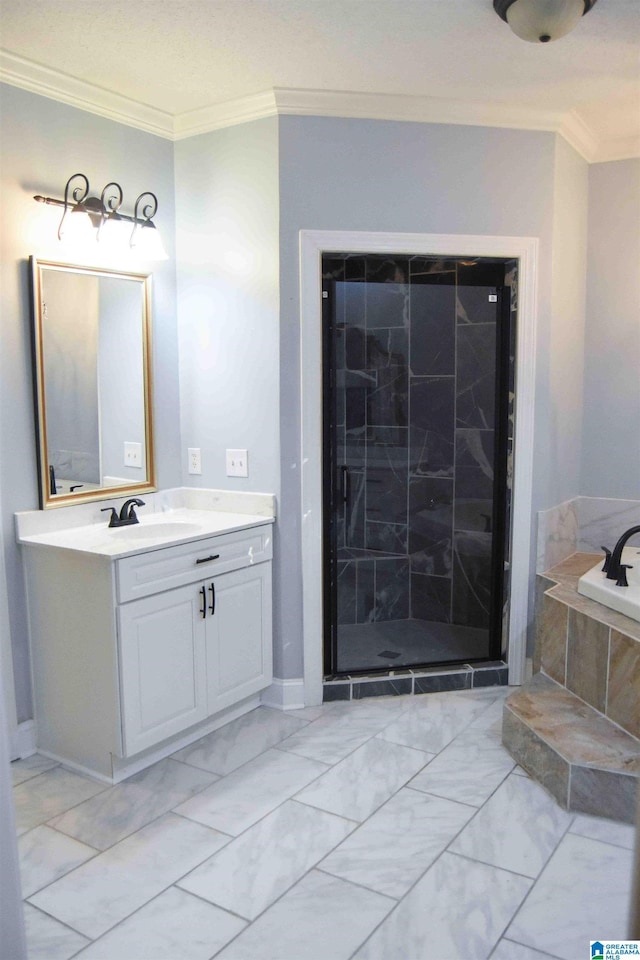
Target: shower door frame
(313, 243)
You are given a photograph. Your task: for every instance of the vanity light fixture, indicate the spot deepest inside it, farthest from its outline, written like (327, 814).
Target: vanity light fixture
(85, 217)
(540, 21)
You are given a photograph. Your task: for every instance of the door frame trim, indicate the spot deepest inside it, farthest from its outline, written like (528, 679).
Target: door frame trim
(313, 243)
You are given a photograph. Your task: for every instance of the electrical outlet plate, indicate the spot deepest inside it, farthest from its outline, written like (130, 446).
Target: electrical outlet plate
(237, 463)
(195, 460)
(132, 454)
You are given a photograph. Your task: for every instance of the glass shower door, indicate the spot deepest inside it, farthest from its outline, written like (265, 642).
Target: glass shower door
(416, 354)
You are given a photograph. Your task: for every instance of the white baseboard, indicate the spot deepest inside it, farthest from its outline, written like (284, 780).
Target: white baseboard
(284, 694)
(122, 768)
(23, 740)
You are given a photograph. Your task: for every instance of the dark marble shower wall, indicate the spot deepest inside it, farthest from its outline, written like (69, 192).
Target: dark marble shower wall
(415, 359)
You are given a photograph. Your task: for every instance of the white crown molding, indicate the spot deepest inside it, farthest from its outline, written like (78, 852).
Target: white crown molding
(579, 136)
(227, 114)
(56, 85)
(622, 148)
(85, 96)
(383, 106)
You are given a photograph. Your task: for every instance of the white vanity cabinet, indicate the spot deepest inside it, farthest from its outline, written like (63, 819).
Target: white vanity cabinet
(187, 653)
(133, 652)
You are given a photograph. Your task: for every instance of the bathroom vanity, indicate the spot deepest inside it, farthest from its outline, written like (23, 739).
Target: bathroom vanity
(144, 638)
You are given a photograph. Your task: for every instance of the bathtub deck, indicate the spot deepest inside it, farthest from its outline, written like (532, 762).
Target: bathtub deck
(576, 726)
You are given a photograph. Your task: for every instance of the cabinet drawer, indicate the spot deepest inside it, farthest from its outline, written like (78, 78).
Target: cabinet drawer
(169, 567)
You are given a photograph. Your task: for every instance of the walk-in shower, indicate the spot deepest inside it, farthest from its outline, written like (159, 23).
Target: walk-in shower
(417, 387)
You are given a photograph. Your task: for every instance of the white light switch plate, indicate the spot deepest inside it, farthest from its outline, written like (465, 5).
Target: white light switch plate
(132, 454)
(237, 463)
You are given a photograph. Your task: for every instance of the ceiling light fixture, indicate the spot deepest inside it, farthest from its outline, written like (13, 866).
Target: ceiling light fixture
(86, 217)
(540, 21)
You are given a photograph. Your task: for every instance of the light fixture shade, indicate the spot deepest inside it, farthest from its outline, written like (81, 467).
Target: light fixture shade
(147, 242)
(78, 227)
(539, 21)
(114, 233)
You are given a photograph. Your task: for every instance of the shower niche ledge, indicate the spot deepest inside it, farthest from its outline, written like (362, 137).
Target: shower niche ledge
(575, 726)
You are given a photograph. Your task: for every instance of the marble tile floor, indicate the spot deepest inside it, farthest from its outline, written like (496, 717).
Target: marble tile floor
(387, 829)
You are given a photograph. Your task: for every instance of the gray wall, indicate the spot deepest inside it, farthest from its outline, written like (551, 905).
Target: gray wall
(228, 301)
(227, 253)
(43, 143)
(611, 434)
(559, 408)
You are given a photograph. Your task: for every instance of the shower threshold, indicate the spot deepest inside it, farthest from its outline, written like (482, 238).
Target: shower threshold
(416, 680)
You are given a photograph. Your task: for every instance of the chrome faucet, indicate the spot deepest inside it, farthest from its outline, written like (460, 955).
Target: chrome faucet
(614, 569)
(127, 513)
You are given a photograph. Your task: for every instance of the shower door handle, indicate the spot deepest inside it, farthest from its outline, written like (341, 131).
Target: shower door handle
(345, 484)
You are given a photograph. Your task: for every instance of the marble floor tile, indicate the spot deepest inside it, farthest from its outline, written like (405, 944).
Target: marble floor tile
(458, 910)
(468, 770)
(490, 720)
(319, 916)
(100, 893)
(336, 735)
(46, 855)
(582, 895)
(243, 797)
(509, 950)
(517, 829)
(47, 795)
(261, 864)
(392, 849)
(434, 720)
(22, 770)
(598, 828)
(47, 939)
(125, 808)
(174, 925)
(241, 740)
(364, 780)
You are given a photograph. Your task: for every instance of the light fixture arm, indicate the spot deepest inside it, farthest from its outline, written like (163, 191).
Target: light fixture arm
(110, 202)
(73, 196)
(143, 213)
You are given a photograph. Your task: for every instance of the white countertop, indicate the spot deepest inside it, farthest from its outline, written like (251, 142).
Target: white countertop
(154, 531)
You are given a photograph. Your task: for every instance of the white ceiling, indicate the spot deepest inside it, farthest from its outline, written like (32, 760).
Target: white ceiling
(182, 66)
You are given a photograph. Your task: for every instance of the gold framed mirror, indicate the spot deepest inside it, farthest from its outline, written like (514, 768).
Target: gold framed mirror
(92, 378)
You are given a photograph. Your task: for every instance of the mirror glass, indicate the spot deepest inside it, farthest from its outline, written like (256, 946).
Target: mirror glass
(93, 385)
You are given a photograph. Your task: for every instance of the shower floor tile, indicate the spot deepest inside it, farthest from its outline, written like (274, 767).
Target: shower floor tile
(398, 643)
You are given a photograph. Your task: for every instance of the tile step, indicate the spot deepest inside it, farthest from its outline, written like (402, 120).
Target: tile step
(587, 763)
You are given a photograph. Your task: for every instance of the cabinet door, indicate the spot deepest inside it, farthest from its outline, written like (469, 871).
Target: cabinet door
(239, 655)
(162, 666)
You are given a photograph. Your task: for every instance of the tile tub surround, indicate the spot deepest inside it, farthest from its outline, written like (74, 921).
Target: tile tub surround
(591, 650)
(575, 726)
(273, 872)
(583, 524)
(587, 763)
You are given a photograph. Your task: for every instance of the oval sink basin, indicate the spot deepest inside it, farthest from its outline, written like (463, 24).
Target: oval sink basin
(153, 531)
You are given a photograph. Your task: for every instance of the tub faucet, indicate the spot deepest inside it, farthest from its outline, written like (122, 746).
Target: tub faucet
(614, 569)
(127, 513)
